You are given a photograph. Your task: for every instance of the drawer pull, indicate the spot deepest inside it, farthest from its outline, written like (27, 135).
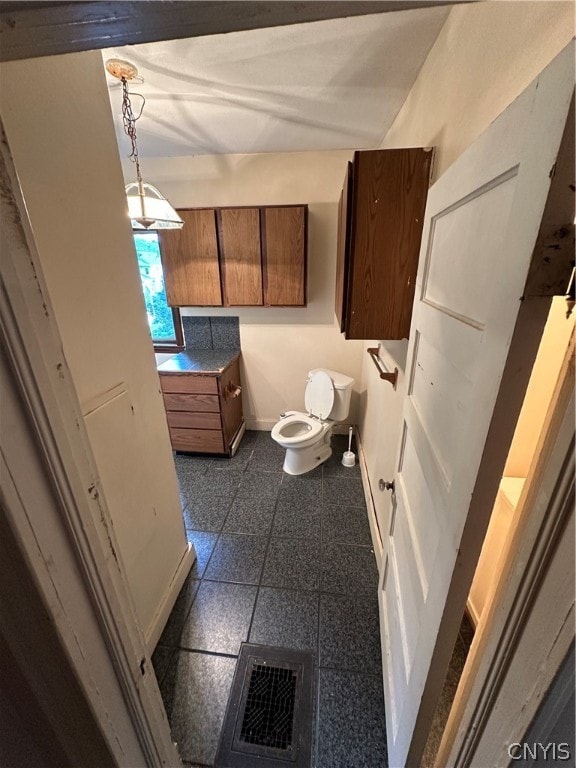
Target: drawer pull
(232, 390)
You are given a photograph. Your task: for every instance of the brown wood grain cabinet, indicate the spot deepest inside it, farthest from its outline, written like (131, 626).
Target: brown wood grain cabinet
(190, 260)
(233, 257)
(381, 215)
(284, 256)
(240, 251)
(203, 410)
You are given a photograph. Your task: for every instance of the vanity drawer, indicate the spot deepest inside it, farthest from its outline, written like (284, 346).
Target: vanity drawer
(202, 440)
(182, 401)
(186, 383)
(189, 419)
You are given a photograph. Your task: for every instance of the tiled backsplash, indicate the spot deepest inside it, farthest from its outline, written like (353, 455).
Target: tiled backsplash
(211, 332)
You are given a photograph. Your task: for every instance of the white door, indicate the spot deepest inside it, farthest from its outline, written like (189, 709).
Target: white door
(481, 224)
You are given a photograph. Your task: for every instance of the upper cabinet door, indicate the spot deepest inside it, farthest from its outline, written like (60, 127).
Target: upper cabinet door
(239, 230)
(389, 191)
(190, 260)
(284, 256)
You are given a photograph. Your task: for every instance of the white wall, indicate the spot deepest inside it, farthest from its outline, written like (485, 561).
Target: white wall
(279, 345)
(485, 55)
(58, 122)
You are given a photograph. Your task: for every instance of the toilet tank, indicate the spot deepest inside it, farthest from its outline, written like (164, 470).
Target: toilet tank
(342, 393)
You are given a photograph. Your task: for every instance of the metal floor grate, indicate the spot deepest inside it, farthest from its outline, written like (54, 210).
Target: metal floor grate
(269, 715)
(269, 711)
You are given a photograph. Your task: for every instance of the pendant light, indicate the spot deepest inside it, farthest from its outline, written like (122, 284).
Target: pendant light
(147, 206)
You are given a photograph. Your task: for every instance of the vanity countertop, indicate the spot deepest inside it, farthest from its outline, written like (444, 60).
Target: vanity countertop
(199, 361)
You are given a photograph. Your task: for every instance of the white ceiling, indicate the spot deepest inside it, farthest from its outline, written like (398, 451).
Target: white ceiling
(334, 84)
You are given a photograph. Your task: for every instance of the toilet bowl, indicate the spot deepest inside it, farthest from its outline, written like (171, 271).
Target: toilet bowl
(306, 436)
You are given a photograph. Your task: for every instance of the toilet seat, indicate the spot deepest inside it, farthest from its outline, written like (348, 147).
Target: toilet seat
(319, 394)
(311, 429)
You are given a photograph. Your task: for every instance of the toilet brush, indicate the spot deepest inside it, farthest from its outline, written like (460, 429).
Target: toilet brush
(348, 457)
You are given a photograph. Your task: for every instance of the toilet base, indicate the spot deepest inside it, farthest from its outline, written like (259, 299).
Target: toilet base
(298, 461)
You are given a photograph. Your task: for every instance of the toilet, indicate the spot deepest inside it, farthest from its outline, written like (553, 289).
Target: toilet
(306, 436)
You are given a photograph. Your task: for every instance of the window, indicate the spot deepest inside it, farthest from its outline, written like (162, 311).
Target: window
(164, 321)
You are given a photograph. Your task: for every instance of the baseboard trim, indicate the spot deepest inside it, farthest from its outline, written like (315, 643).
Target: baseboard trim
(374, 530)
(260, 425)
(167, 604)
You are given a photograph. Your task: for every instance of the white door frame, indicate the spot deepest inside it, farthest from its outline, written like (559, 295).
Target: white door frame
(69, 541)
(536, 575)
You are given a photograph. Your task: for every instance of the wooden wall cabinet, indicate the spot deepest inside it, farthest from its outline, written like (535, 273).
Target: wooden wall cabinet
(233, 257)
(204, 410)
(240, 256)
(190, 261)
(381, 214)
(284, 256)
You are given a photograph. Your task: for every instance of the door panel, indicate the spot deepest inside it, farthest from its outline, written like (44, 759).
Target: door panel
(459, 286)
(190, 260)
(241, 256)
(284, 257)
(480, 227)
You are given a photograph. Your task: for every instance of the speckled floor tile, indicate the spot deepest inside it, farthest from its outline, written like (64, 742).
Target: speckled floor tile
(250, 516)
(339, 490)
(259, 485)
(237, 462)
(266, 461)
(351, 721)
(293, 490)
(286, 618)
(293, 563)
(222, 483)
(296, 519)
(348, 569)
(170, 636)
(249, 438)
(347, 525)
(264, 442)
(160, 660)
(204, 543)
(191, 465)
(188, 485)
(350, 633)
(300, 535)
(206, 512)
(237, 558)
(195, 690)
(219, 618)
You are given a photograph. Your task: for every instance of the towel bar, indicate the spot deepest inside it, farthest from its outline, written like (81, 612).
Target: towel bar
(391, 377)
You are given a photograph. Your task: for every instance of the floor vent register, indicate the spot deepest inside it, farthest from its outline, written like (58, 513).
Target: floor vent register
(268, 721)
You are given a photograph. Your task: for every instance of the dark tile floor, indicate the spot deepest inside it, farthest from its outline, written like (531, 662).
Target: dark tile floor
(283, 561)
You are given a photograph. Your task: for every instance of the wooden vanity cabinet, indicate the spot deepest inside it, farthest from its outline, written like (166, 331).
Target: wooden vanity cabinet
(381, 215)
(203, 410)
(233, 257)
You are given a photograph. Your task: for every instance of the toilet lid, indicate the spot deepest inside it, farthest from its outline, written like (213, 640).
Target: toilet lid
(319, 395)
